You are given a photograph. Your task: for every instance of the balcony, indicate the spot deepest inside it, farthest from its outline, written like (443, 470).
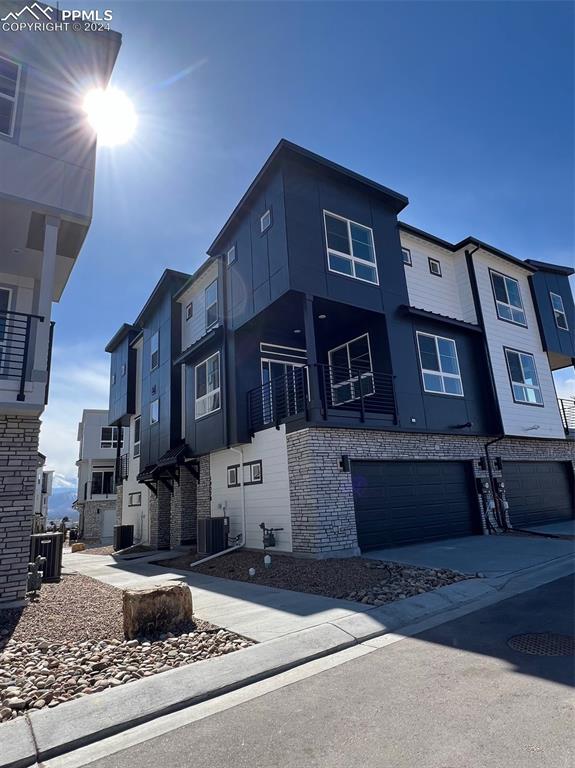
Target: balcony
(122, 468)
(567, 411)
(346, 396)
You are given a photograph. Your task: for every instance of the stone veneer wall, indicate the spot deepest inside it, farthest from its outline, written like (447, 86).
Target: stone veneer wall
(159, 514)
(321, 494)
(119, 502)
(204, 491)
(18, 465)
(183, 517)
(91, 519)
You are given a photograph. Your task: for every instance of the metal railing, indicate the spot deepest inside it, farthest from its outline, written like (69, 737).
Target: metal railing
(351, 392)
(122, 467)
(16, 333)
(567, 410)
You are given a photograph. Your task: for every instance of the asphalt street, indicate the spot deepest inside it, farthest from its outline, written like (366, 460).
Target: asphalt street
(456, 696)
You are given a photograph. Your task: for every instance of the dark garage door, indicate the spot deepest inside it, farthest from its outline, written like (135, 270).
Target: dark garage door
(538, 492)
(401, 502)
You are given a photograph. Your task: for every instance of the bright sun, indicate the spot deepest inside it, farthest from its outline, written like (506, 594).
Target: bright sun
(112, 115)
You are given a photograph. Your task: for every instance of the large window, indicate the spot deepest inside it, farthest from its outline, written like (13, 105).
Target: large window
(508, 299)
(109, 437)
(137, 422)
(523, 376)
(439, 365)
(350, 249)
(211, 300)
(102, 482)
(155, 351)
(351, 373)
(154, 411)
(559, 311)
(208, 386)
(9, 84)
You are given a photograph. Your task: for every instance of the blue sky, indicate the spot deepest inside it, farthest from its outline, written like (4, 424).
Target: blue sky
(465, 107)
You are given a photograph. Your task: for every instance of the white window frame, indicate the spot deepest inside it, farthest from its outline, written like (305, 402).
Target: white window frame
(214, 303)
(152, 419)
(233, 476)
(349, 256)
(559, 312)
(155, 340)
(352, 381)
(103, 492)
(12, 99)
(440, 373)
(113, 442)
(136, 449)
(189, 310)
(131, 502)
(434, 263)
(209, 393)
(231, 255)
(263, 225)
(255, 477)
(533, 387)
(406, 255)
(507, 304)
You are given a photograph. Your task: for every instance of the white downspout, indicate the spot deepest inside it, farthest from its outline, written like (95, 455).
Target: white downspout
(243, 504)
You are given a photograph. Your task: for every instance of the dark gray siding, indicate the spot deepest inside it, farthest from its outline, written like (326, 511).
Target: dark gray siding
(554, 339)
(122, 386)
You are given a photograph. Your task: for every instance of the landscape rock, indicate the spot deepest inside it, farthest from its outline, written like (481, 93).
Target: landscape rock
(157, 610)
(78, 547)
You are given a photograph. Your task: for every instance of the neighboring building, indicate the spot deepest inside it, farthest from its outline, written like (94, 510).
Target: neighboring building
(348, 378)
(42, 493)
(47, 159)
(96, 502)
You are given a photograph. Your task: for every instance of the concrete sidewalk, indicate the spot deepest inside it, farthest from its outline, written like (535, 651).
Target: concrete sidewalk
(254, 611)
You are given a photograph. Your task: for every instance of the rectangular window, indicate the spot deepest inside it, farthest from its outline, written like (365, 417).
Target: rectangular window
(123, 369)
(109, 437)
(523, 377)
(137, 421)
(113, 378)
(190, 311)
(9, 85)
(559, 311)
(102, 482)
(350, 371)
(508, 301)
(231, 255)
(266, 221)
(135, 499)
(208, 386)
(211, 300)
(255, 473)
(155, 351)
(233, 479)
(406, 253)
(350, 249)
(434, 267)
(439, 365)
(154, 411)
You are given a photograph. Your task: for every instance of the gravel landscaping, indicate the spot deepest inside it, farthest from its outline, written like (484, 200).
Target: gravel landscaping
(69, 643)
(372, 582)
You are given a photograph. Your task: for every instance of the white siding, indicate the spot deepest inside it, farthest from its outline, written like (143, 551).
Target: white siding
(449, 294)
(194, 328)
(268, 502)
(136, 516)
(517, 417)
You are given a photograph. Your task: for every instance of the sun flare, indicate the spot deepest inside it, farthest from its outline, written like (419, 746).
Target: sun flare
(112, 116)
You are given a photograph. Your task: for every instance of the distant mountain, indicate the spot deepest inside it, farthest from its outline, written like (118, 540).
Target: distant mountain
(60, 504)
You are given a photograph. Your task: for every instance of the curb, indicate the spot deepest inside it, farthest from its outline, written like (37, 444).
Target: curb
(45, 734)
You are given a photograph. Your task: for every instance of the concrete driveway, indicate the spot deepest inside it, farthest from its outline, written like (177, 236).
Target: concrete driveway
(565, 529)
(488, 555)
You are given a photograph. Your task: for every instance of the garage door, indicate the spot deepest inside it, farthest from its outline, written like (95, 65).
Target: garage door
(538, 492)
(402, 502)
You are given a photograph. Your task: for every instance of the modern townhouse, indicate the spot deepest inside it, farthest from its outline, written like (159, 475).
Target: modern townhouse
(353, 382)
(96, 502)
(47, 159)
(44, 482)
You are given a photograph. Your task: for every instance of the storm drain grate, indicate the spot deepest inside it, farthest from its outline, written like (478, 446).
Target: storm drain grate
(543, 644)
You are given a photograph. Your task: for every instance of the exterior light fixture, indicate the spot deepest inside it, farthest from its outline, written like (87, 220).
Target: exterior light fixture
(322, 317)
(297, 330)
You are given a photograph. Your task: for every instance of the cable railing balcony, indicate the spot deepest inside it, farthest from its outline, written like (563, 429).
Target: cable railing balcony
(567, 411)
(278, 399)
(17, 331)
(352, 389)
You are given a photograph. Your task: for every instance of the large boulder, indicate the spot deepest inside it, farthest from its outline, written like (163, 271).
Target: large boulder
(157, 610)
(78, 547)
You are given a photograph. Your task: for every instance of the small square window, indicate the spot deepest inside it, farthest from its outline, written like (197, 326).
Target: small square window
(190, 310)
(253, 473)
(154, 411)
(123, 369)
(434, 267)
(266, 220)
(231, 255)
(406, 253)
(559, 311)
(155, 351)
(233, 480)
(135, 499)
